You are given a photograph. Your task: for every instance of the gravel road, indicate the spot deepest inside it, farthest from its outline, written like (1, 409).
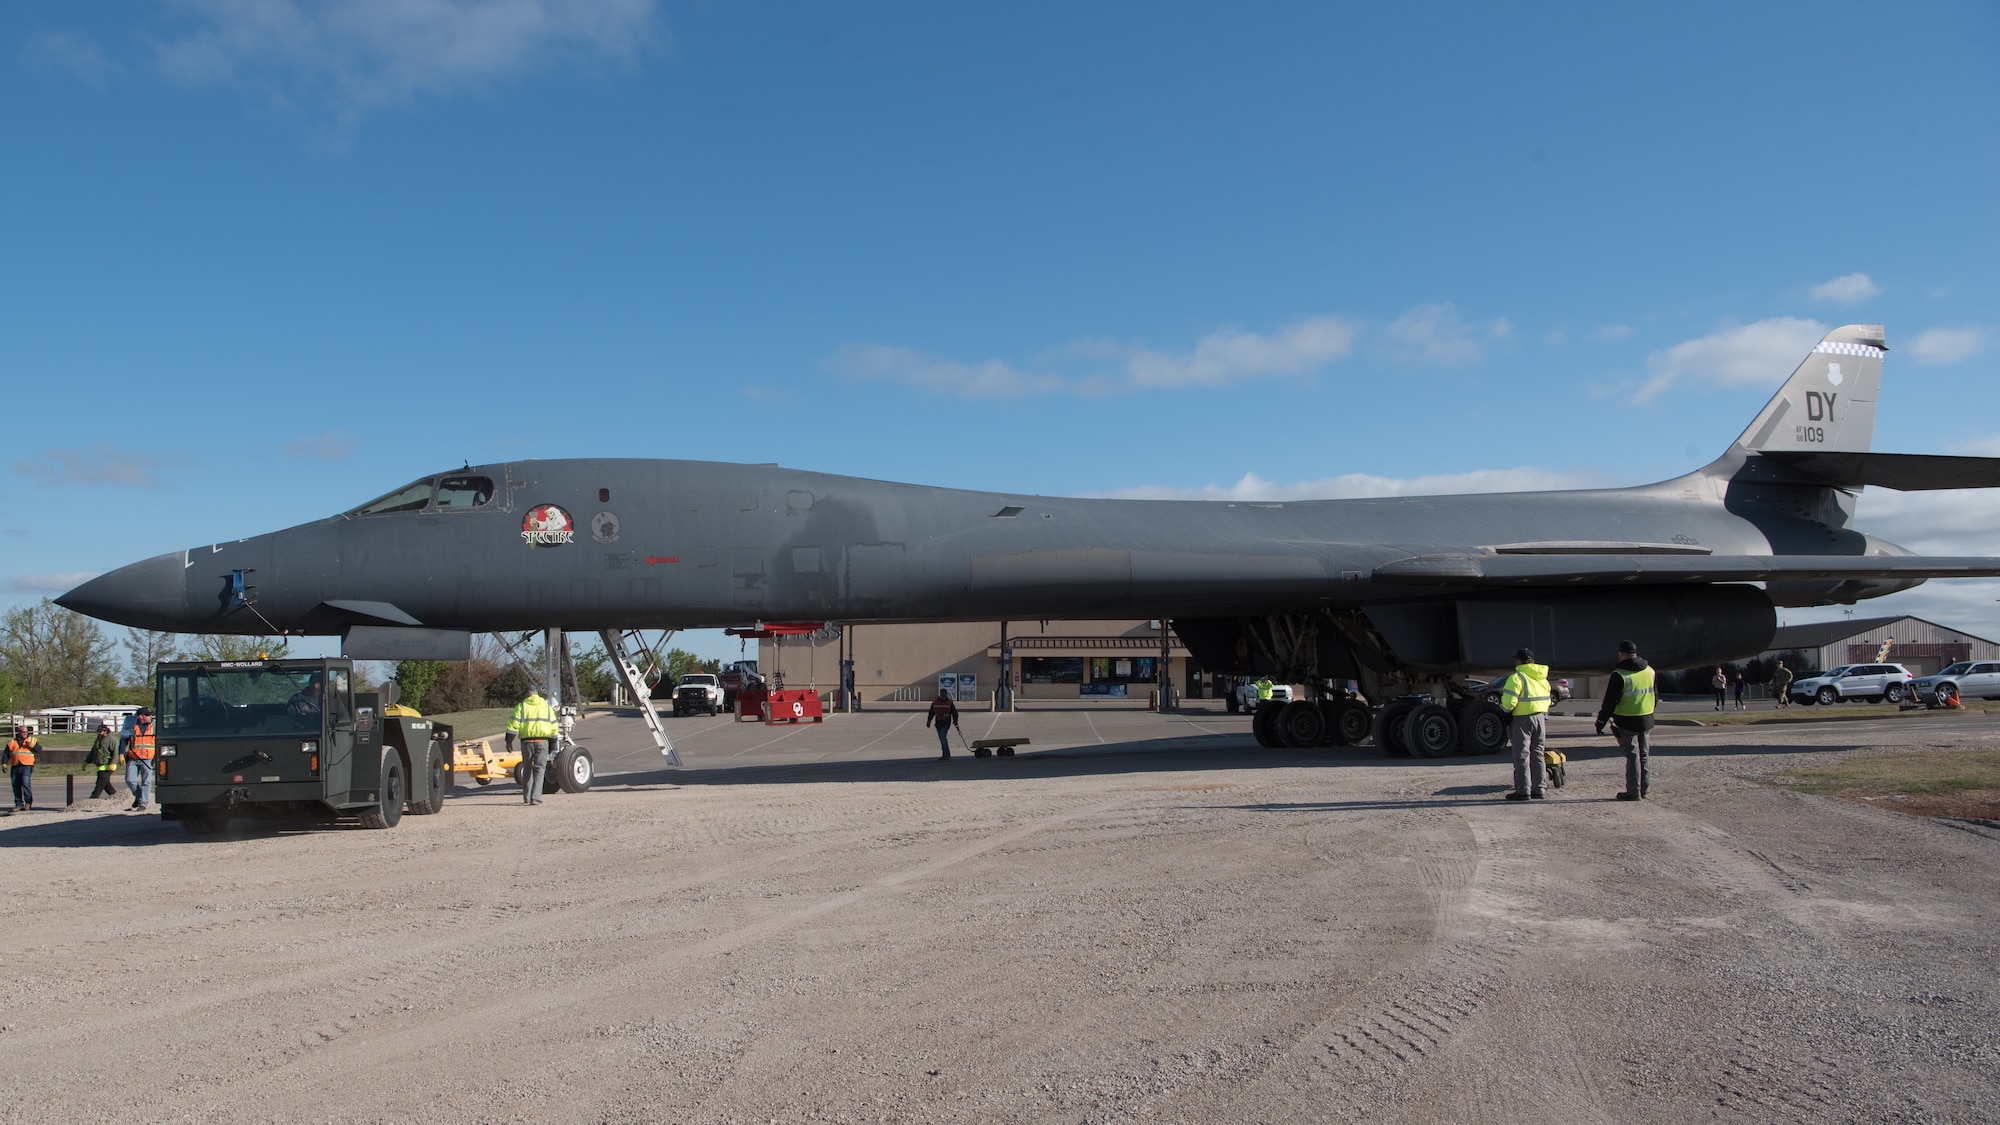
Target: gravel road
(1145, 919)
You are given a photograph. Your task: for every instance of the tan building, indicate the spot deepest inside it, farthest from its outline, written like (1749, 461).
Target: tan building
(1922, 646)
(1046, 659)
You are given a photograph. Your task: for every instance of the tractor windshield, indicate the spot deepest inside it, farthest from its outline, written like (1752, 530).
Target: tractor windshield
(198, 702)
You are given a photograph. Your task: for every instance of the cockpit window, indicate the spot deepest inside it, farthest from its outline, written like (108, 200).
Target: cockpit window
(412, 497)
(464, 492)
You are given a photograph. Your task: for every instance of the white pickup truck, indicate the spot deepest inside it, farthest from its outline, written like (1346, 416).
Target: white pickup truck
(697, 692)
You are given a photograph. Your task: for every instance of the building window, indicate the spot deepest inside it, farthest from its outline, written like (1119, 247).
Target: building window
(1052, 669)
(1122, 669)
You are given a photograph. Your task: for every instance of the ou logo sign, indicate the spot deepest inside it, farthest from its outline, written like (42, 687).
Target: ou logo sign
(798, 710)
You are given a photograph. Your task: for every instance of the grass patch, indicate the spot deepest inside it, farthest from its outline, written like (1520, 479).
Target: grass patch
(1799, 713)
(1924, 772)
(474, 724)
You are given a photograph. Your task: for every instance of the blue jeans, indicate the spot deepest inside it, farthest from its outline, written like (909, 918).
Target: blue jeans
(24, 786)
(944, 738)
(139, 779)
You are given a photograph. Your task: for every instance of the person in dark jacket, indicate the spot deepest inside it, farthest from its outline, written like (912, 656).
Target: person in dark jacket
(103, 757)
(1628, 706)
(944, 716)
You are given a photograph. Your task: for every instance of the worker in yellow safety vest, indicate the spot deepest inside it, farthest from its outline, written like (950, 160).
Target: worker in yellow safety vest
(103, 757)
(1628, 707)
(1525, 698)
(1264, 689)
(21, 765)
(534, 723)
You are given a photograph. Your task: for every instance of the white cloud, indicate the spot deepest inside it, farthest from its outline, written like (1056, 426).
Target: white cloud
(1761, 354)
(1944, 522)
(71, 52)
(991, 379)
(1436, 334)
(364, 54)
(103, 463)
(1945, 345)
(1846, 289)
(1226, 355)
(1352, 485)
(332, 445)
(1221, 358)
(50, 583)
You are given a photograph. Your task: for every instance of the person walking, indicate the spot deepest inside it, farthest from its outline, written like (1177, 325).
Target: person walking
(21, 765)
(103, 755)
(1628, 706)
(943, 715)
(1741, 686)
(1720, 682)
(1781, 684)
(534, 723)
(139, 760)
(1525, 698)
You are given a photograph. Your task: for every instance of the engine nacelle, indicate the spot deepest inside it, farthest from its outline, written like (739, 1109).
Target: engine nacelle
(1579, 631)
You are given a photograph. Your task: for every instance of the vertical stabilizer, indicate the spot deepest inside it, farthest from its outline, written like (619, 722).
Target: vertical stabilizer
(1828, 405)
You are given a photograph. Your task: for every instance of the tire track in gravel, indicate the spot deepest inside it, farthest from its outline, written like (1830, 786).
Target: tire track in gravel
(387, 1051)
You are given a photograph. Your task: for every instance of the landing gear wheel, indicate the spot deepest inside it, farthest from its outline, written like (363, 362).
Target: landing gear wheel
(482, 781)
(1389, 727)
(434, 767)
(1263, 724)
(203, 821)
(1301, 725)
(388, 811)
(1893, 693)
(1482, 728)
(1828, 696)
(574, 770)
(1430, 731)
(1352, 722)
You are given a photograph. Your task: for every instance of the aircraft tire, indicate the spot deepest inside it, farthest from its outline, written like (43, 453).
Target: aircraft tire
(1389, 727)
(1430, 731)
(1482, 728)
(1352, 723)
(1301, 725)
(388, 810)
(434, 766)
(1262, 724)
(575, 769)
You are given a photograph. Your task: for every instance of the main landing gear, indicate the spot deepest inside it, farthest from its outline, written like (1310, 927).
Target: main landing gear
(1409, 726)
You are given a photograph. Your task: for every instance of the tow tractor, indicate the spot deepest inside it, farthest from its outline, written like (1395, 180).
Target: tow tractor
(291, 740)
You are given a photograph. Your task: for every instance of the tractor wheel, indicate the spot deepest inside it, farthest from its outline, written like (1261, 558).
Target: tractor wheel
(388, 810)
(434, 767)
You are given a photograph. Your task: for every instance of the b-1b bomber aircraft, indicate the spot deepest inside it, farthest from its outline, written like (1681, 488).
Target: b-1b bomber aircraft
(1402, 596)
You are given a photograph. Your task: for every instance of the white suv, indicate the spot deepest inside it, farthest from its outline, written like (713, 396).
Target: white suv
(1872, 683)
(1979, 679)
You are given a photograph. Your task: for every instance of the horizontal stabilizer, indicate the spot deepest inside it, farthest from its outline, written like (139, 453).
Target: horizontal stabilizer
(1904, 472)
(1641, 570)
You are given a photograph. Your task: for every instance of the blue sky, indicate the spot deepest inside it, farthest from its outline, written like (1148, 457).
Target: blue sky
(261, 260)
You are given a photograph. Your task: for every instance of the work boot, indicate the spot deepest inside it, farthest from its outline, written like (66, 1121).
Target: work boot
(1517, 796)
(1538, 796)
(1628, 796)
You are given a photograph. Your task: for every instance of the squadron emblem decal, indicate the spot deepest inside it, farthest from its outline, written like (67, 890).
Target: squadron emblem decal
(604, 528)
(547, 525)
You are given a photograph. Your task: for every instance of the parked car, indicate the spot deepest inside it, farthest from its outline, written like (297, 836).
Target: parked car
(1489, 690)
(697, 691)
(1973, 679)
(1872, 683)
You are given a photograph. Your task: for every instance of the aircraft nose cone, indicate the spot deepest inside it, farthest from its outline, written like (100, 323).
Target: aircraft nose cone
(145, 595)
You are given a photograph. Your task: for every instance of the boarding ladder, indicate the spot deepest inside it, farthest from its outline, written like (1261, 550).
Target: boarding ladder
(619, 645)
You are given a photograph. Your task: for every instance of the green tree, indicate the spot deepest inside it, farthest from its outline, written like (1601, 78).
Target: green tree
(416, 678)
(145, 648)
(58, 657)
(680, 662)
(594, 677)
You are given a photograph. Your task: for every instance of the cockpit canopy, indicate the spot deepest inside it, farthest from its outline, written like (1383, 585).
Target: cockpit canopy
(456, 492)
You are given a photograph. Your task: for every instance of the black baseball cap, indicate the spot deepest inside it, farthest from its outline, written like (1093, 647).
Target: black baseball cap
(1524, 656)
(1628, 646)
